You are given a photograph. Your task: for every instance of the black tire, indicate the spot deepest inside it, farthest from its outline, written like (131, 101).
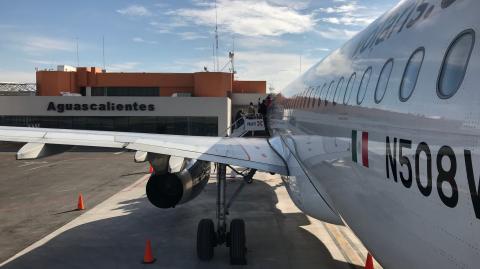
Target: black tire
(238, 249)
(205, 239)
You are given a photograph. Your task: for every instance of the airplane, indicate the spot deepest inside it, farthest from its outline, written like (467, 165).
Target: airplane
(382, 135)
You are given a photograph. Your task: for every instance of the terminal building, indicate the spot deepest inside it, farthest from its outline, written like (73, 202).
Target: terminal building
(90, 98)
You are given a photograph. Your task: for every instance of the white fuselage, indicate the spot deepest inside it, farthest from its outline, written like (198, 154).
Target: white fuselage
(401, 170)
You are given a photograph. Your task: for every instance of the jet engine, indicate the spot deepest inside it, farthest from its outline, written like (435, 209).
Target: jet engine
(165, 190)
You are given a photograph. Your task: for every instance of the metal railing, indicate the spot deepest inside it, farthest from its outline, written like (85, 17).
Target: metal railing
(244, 125)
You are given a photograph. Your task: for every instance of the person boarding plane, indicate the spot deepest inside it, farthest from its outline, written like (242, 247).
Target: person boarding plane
(383, 135)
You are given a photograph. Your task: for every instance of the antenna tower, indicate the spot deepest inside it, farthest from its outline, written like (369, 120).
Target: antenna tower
(232, 56)
(216, 37)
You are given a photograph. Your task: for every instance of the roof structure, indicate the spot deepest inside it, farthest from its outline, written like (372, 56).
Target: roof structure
(11, 88)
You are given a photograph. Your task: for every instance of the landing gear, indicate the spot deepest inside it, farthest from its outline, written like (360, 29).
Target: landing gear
(238, 247)
(206, 240)
(235, 239)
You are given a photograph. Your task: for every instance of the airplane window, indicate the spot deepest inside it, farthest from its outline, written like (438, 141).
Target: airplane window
(330, 92)
(323, 94)
(316, 95)
(305, 102)
(310, 96)
(338, 91)
(307, 97)
(383, 81)
(410, 75)
(455, 64)
(349, 88)
(362, 90)
(302, 99)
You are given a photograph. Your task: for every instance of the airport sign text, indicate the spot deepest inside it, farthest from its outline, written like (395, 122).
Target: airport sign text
(107, 106)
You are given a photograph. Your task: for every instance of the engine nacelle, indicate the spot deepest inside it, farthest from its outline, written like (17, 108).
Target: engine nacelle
(171, 189)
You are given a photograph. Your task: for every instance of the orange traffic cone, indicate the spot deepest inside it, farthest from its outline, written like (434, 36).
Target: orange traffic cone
(369, 262)
(80, 205)
(150, 170)
(148, 257)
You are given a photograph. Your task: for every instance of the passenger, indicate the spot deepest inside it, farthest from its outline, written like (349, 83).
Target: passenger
(268, 101)
(251, 111)
(262, 109)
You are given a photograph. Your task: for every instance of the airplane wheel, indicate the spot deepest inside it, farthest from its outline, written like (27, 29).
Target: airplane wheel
(237, 242)
(205, 239)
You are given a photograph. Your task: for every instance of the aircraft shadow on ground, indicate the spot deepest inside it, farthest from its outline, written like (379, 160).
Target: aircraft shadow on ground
(274, 239)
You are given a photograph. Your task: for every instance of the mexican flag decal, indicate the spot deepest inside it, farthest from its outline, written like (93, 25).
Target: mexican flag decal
(360, 147)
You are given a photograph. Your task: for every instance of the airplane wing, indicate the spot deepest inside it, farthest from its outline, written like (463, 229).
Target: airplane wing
(253, 153)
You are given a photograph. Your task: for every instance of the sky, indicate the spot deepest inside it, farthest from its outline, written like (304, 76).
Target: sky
(273, 40)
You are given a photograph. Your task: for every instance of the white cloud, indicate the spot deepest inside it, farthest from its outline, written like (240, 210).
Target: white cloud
(279, 69)
(348, 20)
(260, 42)
(161, 28)
(43, 43)
(337, 34)
(48, 62)
(191, 35)
(321, 49)
(346, 8)
(17, 76)
(141, 40)
(298, 4)
(126, 66)
(135, 11)
(249, 18)
(349, 13)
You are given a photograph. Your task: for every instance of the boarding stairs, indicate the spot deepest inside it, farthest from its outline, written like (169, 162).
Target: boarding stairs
(252, 126)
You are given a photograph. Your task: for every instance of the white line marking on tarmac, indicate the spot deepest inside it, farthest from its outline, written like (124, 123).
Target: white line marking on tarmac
(31, 163)
(118, 153)
(41, 166)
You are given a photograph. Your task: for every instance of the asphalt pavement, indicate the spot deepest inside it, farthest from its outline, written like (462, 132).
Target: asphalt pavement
(40, 227)
(39, 196)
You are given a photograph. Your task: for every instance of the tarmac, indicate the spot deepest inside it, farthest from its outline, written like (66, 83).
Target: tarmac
(40, 228)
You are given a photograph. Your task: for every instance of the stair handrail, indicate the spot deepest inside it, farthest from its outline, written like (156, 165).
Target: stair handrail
(234, 124)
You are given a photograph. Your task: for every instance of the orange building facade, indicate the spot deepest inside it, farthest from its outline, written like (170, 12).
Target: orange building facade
(201, 84)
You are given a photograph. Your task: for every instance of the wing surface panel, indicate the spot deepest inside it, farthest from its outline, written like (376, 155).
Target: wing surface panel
(246, 152)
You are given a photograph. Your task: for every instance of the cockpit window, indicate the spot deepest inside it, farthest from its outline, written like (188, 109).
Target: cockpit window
(383, 80)
(349, 88)
(362, 89)
(410, 75)
(455, 64)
